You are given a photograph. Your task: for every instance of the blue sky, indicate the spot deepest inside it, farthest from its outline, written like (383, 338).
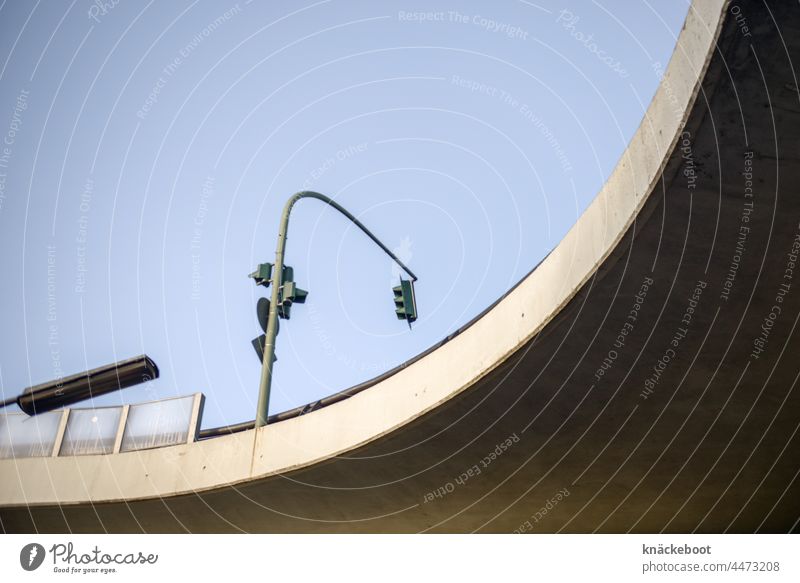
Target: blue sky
(148, 149)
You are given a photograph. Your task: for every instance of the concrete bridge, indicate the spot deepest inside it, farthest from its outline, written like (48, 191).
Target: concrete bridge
(642, 378)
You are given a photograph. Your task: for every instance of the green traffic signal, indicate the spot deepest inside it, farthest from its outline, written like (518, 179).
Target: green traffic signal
(289, 293)
(262, 274)
(405, 302)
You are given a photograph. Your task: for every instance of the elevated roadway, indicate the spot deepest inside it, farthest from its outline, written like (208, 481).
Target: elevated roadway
(642, 378)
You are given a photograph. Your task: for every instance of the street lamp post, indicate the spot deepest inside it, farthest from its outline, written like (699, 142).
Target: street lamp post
(268, 360)
(86, 385)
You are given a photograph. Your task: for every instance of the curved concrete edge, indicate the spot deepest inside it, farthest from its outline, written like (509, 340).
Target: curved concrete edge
(427, 383)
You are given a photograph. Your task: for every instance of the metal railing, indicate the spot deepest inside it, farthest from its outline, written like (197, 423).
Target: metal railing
(102, 430)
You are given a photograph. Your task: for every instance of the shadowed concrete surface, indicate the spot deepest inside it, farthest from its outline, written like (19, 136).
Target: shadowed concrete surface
(659, 395)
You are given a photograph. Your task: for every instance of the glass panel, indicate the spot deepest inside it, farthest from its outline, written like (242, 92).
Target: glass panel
(23, 436)
(91, 431)
(158, 424)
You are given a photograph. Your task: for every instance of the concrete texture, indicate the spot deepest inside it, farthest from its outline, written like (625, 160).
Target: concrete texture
(642, 378)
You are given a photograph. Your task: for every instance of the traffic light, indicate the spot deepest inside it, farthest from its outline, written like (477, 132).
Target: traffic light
(290, 293)
(405, 303)
(262, 274)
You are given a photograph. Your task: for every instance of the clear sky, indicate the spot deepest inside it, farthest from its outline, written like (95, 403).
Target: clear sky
(148, 149)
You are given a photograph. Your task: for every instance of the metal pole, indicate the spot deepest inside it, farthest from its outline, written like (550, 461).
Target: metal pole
(262, 410)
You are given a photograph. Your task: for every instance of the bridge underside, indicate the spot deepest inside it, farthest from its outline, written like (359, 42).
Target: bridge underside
(662, 397)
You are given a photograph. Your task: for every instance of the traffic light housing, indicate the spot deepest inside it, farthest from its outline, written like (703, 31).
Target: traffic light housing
(289, 293)
(405, 302)
(263, 274)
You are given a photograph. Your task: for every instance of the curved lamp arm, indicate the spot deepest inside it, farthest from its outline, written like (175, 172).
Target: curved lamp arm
(262, 408)
(287, 209)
